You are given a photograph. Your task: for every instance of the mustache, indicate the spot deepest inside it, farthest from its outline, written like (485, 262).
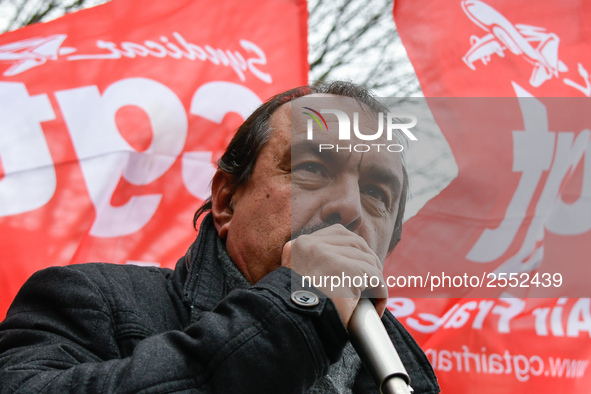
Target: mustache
(309, 230)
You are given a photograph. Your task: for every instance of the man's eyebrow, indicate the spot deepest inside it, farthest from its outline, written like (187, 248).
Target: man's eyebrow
(306, 147)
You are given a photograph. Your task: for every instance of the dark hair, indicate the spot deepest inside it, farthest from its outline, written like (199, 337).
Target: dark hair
(242, 152)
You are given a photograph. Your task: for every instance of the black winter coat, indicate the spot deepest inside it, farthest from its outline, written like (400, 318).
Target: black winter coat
(127, 329)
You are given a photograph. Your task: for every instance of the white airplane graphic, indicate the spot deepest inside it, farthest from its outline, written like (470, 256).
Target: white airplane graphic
(518, 39)
(32, 52)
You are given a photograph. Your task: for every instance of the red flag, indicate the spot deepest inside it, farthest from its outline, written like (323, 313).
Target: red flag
(521, 202)
(472, 48)
(112, 118)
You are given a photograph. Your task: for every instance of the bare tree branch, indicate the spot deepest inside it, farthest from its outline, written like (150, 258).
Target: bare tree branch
(26, 12)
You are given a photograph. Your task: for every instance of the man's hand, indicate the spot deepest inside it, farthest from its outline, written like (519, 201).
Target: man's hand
(336, 252)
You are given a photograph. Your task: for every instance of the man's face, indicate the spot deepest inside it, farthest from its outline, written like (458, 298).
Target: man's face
(295, 188)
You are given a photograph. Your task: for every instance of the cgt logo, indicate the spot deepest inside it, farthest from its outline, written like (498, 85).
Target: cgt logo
(392, 123)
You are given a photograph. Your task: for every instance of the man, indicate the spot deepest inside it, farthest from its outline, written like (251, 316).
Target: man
(229, 319)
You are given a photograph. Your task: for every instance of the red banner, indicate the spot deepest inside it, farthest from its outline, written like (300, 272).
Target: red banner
(112, 118)
(519, 210)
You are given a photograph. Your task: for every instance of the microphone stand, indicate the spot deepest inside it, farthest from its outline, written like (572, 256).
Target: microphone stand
(374, 346)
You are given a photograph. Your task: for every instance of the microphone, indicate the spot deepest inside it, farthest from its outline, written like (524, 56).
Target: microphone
(374, 346)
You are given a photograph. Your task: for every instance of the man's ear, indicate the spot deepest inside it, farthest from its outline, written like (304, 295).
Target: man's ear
(222, 190)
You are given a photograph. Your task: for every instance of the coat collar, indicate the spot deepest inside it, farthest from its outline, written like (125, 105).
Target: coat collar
(208, 272)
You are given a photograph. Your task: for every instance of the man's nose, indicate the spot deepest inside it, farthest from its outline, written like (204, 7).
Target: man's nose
(343, 206)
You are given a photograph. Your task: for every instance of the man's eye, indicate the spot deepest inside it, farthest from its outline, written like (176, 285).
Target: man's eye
(377, 194)
(313, 168)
